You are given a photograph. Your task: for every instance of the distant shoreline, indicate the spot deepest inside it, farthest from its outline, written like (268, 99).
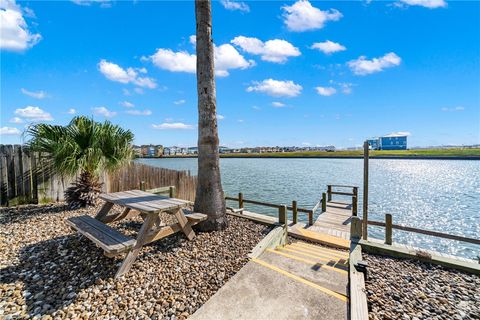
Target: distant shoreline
(447, 154)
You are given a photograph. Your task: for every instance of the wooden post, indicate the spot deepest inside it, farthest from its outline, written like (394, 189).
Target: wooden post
(172, 192)
(365, 190)
(388, 228)
(310, 217)
(324, 202)
(355, 228)
(282, 214)
(294, 212)
(142, 185)
(240, 200)
(355, 201)
(354, 206)
(329, 193)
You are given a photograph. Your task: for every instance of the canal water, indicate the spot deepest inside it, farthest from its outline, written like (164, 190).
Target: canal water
(440, 195)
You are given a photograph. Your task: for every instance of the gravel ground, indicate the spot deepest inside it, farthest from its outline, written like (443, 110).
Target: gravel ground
(49, 272)
(407, 289)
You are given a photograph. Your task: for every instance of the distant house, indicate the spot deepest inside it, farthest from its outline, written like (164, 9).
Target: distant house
(392, 141)
(192, 150)
(374, 143)
(222, 149)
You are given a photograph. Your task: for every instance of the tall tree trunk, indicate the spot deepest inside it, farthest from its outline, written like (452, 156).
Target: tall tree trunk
(209, 198)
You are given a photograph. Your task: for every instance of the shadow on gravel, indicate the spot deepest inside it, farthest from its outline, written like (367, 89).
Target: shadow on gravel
(54, 271)
(15, 215)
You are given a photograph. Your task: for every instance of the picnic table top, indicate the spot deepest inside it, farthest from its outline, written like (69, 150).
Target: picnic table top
(144, 201)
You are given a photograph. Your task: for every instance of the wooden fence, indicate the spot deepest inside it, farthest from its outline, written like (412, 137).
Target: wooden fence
(27, 177)
(131, 176)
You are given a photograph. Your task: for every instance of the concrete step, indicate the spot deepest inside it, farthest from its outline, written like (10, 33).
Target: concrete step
(304, 282)
(308, 269)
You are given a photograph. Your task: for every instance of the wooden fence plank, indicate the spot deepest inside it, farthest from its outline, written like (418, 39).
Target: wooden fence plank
(3, 176)
(34, 174)
(11, 191)
(18, 165)
(27, 175)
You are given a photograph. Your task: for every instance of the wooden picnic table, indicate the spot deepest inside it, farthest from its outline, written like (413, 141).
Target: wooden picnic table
(135, 202)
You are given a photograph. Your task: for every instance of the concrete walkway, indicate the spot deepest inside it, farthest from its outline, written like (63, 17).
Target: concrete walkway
(296, 281)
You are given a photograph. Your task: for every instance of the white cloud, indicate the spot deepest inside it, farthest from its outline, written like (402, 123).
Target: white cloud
(139, 90)
(14, 31)
(234, 5)
(126, 92)
(275, 50)
(103, 3)
(116, 73)
(180, 61)
(302, 16)
(9, 131)
(276, 88)
(399, 133)
(256, 108)
(126, 104)
(72, 111)
(346, 87)
(35, 94)
(102, 111)
(306, 144)
(326, 91)
(220, 117)
(139, 112)
(16, 120)
(193, 39)
(179, 102)
(431, 4)
(328, 47)
(362, 66)
(240, 121)
(277, 104)
(170, 126)
(226, 57)
(455, 109)
(34, 114)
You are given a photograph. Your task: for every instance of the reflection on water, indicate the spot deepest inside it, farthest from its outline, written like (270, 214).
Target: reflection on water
(441, 195)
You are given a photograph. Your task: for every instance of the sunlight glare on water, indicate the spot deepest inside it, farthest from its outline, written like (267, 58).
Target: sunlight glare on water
(440, 195)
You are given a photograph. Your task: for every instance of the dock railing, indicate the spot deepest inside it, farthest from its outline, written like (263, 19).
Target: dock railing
(281, 215)
(389, 226)
(332, 190)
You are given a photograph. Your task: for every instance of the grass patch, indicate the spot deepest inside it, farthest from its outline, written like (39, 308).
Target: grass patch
(454, 152)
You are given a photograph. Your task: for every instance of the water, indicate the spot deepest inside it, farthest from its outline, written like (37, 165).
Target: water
(440, 195)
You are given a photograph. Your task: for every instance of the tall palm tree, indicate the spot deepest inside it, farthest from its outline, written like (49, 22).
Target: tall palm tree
(86, 147)
(209, 197)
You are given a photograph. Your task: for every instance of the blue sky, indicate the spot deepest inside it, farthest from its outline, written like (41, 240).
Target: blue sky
(288, 73)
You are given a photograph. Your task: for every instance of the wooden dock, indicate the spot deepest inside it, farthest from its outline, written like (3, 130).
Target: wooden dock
(332, 227)
(335, 221)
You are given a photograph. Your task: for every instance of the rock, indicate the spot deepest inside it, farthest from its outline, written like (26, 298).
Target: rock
(416, 290)
(51, 272)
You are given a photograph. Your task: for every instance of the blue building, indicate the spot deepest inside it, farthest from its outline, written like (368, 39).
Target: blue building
(392, 141)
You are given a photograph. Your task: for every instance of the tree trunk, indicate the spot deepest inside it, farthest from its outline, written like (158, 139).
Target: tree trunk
(209, 198)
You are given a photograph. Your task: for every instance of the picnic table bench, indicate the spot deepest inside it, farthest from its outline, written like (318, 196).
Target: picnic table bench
(135, 202)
